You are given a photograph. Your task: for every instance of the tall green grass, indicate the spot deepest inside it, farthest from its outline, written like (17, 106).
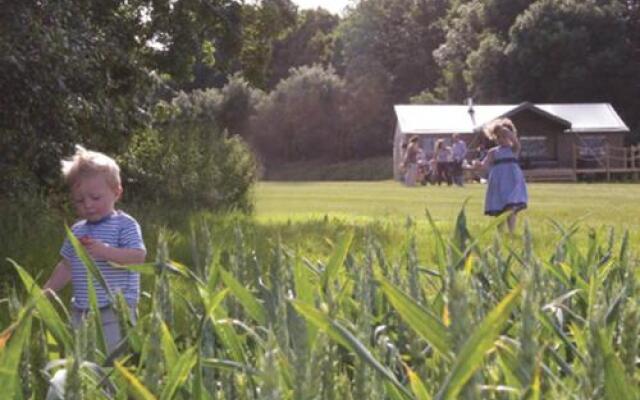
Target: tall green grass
(239, 310)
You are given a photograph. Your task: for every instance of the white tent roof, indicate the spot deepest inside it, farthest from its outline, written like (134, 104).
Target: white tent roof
(444, 119)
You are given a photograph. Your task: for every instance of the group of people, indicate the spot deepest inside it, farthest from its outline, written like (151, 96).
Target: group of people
(446, 165)
(506, 186)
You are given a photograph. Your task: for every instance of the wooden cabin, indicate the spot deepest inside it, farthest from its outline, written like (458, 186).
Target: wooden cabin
(558, 140)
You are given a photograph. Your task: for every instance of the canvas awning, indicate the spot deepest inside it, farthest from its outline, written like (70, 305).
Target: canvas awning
(447, 119)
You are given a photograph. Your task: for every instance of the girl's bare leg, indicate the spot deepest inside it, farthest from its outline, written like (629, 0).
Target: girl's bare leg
(511, 221)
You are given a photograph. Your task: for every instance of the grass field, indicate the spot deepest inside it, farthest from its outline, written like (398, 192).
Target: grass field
(599, 208)
(595, 205)
(324, 294)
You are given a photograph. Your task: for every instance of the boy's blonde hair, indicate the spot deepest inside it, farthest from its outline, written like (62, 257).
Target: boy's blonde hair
(492, 130)
(89, 163)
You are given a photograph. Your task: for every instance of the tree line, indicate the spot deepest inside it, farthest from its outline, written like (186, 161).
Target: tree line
(132, 77)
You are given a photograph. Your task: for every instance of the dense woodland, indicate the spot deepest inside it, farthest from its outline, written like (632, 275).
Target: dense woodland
(190, 92)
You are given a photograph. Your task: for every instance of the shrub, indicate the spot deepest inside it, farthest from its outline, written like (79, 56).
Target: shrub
(186, 159)
(300, 119)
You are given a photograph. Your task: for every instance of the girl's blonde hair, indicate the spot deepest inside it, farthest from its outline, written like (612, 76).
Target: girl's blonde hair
(492, 130)
(86, 163)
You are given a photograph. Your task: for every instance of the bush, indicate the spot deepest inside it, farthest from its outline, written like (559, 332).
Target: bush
(300, 119)
(31, 232)
(186, 159)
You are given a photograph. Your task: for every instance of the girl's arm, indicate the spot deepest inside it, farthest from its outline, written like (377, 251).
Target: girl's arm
(515, 142)
(60, 277)
(486, 162)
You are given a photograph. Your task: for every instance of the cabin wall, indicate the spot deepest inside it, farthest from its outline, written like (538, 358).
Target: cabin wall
(599, 145)
(542, 144)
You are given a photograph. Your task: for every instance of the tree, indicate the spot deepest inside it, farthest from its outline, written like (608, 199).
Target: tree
(486, 71)
(466, 24)
(194, 42)
(70, 73)
(300, 119)
(309, 42)
(238, 103)
(631, 14)
(386, 56)
(501, 14)
(400, 35)
(570, 51)
(366, 112)
(187, 160)
(262, 24)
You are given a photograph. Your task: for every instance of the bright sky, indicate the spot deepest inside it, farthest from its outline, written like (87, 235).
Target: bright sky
(334, 6)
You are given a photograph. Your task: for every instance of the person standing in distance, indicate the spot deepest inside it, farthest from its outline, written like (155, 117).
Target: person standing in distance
(506, 186)
(458, 153)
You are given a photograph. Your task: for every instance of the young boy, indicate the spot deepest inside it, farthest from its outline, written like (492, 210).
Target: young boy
(106, 233)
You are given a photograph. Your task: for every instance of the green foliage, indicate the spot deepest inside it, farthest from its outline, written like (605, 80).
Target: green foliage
(71, 73)
(466, 25)
(412, 29)
(487, 69)
(264, 23)
(194, 43)
(18, 236)
(293, 121)
(309, 42)
(237, 104)
(578, 42)
(187, 160)
(93, 73)
(278, 315)
(541, 51)
(384, 52)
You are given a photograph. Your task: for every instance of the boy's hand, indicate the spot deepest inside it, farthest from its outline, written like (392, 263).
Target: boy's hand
(98, 250)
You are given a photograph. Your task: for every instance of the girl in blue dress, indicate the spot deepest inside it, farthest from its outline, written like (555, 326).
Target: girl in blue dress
(506, 187)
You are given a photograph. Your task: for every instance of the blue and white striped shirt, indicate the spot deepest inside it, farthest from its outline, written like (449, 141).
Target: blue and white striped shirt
(116, 230)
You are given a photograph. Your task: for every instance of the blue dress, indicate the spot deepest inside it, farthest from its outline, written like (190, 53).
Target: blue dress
(506, 188)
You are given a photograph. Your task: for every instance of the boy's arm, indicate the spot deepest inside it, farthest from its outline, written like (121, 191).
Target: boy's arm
(60, 277)
(119, 255)
(125, 256)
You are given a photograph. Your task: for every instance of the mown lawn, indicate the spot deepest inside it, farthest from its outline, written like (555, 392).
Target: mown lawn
(595, 204)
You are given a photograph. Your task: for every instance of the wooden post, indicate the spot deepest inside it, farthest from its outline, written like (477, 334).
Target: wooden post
(633, 151)
(608, 161)
(624, 158)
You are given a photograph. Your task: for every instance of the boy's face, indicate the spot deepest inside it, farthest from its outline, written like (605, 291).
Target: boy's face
(93, 197)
